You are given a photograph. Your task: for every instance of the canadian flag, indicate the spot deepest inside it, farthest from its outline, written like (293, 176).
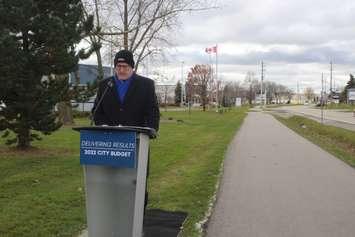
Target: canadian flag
(211, 49)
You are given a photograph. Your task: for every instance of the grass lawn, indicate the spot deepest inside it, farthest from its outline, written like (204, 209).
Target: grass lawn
(337, 141)
(42, 192)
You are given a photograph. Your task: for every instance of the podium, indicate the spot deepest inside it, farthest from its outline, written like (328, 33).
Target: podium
(114, 160)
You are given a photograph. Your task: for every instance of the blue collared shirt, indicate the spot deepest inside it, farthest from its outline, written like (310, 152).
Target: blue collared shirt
(122, 87)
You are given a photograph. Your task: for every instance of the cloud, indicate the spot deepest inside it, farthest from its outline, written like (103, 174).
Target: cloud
(272, 22)
(309, 55)
(252, 54)
(296, 39)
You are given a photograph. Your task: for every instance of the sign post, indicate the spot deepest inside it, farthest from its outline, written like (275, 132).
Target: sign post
(115, 164)
(351, 98)
(238, 102)
(351, 95)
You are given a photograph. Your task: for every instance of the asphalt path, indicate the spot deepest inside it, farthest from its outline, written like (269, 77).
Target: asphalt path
(277, 184)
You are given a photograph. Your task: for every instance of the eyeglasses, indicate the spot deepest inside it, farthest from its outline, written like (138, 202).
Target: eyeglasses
(122, 66)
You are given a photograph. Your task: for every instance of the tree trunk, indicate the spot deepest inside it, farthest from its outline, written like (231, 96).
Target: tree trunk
(125, 25)
(250, 95)
(204, 102)
(64, 107)
(65, 113)
(24, 140)
(100, 70)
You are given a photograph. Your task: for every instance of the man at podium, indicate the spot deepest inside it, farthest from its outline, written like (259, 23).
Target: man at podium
(126, 98)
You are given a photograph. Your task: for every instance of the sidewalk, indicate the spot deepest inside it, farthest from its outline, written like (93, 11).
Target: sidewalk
(277, 184)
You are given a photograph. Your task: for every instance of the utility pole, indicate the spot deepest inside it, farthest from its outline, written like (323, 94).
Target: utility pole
(298, 92)
(262, 81)
(325, 91)
(217, 100)
(331, 77)
(333, 80)
(322, 101)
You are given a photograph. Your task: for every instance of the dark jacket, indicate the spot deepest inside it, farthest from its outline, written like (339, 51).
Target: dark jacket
(140, 106)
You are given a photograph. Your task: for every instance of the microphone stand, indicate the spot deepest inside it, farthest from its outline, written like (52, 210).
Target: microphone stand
(108, 85)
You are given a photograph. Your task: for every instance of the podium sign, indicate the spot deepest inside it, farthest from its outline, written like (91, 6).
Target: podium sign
(108, 148)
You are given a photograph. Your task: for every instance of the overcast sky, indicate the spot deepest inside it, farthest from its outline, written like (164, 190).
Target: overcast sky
(296, 39)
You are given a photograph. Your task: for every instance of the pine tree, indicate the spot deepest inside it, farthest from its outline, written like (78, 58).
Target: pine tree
(349, 84)
(38, 41)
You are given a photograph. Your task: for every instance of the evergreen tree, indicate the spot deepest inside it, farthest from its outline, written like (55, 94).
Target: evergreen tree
(349, 84)
(178, 89)
(38, 41)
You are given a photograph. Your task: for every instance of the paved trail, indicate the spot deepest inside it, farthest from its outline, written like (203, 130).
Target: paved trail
(277, 184)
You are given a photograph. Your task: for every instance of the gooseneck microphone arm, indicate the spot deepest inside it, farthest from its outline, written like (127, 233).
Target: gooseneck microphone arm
(108, 85)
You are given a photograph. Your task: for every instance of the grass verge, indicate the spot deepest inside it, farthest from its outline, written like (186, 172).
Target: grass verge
(42, 192)
(337, 141)
(272, 106)
(341, 106)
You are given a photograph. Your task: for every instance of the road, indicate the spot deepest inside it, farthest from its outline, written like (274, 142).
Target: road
(277, 184)
(338, 118)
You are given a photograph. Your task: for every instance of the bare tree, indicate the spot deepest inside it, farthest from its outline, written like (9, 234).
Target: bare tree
(252, 85)
(141, 26)
(198, 81)
(233, 90)
(102, 11)
(274, 91)
(309, 94)
(228, 95)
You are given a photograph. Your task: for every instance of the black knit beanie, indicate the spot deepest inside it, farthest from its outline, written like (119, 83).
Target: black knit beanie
(125, 56)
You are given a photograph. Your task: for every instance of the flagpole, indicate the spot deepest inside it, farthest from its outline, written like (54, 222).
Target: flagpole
(211, 77)
(217, 75)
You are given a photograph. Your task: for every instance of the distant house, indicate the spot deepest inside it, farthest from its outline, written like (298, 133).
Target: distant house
(87, 74)
(299, 98)
(334, 97)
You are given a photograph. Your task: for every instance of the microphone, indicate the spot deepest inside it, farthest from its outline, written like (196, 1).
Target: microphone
(108, 85)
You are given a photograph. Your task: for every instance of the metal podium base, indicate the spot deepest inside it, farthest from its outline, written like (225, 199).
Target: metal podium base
(112, 186)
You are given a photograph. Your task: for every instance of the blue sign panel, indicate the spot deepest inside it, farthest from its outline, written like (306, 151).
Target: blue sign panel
(108, 148)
